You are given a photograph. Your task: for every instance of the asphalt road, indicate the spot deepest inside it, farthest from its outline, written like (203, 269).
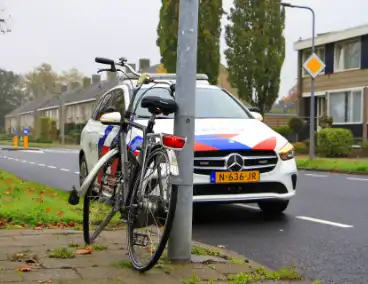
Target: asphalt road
(323, 232)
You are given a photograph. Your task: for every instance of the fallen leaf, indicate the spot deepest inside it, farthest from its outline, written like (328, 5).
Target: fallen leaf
(60, 214)
(18, 226)
(7, 192)
(221, 246)
(47, 210)
(83, 251)
(38, 228)
(24, 268)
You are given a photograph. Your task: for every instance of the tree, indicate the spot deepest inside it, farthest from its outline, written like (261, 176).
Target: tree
(10, 93)
(41, 81)
(209, 32)
(256, 50)
(71, 76)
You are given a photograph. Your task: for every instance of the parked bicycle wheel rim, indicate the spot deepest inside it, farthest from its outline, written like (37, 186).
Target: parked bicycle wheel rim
(136, 238)
(91, 229)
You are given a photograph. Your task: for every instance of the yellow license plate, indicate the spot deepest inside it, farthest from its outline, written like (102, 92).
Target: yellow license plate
(227, 177)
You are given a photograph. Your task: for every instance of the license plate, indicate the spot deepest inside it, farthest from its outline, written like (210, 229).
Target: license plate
(228, 177)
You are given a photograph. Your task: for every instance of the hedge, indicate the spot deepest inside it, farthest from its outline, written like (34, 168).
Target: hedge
(335, 142)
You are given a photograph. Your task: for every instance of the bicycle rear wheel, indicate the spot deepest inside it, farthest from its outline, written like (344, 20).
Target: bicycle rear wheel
(153, 204)
(100, 198)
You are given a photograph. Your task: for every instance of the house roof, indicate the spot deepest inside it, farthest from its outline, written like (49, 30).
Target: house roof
(81, 94)
(30, 106)
(334, 36)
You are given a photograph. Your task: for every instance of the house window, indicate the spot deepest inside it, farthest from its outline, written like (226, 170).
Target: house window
(347, 55)
(346, 107)
(320, 51)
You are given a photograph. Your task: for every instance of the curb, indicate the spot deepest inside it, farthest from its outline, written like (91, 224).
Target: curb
(334, 171)
(20, 149)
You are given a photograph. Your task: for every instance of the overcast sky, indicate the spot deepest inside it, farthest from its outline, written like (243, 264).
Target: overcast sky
(70, 33)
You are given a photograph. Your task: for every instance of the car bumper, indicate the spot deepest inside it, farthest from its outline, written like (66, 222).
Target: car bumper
(280, 183)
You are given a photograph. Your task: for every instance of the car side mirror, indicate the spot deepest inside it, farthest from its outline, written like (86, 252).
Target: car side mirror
(254, 109)
(110, 118)
(257, 115)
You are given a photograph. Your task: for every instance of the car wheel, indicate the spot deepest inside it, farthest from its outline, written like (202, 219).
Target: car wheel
(83, 169)
(273, 207)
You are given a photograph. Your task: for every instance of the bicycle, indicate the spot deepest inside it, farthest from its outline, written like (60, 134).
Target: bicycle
(125, 193)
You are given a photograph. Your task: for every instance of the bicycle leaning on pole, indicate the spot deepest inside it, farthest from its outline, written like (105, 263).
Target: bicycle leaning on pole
(140, 187)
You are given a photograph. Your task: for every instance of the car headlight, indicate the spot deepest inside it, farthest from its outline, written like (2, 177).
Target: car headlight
(287, 152)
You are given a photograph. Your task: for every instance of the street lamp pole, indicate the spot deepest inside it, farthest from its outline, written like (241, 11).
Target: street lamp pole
(313, 82)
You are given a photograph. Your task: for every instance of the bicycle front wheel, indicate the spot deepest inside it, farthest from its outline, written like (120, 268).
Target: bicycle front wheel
(151, 212)
(98, 207)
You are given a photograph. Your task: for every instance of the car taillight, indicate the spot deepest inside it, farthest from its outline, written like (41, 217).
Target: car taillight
(173, 142)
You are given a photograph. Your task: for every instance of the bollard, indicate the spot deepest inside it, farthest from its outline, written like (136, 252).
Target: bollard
(15, 141)
(25, 142)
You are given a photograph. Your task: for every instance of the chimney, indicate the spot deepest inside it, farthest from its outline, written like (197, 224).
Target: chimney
(86, 82)
(111, 76)
(75, 85)
(133, 66)
(96, 78)
(144, 63)
(63, 88)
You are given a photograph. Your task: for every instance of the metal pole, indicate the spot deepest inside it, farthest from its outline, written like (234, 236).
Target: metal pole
(180, 242)
(313, 84)
(312, 102)
(62, 119)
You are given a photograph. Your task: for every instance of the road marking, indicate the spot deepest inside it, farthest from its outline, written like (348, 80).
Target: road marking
(65, 170)
(315, 175)
(360, 179)
(76, 173)
(42, 165)
(24, 161)
(51, 167)
(253, 207)
(32, 151)
(324, 222)
(32, 163)
(10, 158)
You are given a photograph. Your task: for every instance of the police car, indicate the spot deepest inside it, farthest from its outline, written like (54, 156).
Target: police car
(237, 158)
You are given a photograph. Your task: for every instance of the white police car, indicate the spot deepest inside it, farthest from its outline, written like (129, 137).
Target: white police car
(238, 158)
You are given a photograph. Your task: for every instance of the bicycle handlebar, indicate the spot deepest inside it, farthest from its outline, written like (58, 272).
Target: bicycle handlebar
(112, 63)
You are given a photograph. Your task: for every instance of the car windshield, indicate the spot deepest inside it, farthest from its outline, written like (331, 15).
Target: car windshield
(210, 103)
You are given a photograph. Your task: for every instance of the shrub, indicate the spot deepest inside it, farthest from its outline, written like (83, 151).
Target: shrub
(300, 148)
(364, 146)
(283, 130)
(45, 128)
(296, 124)
(334, 142)
(53, 130)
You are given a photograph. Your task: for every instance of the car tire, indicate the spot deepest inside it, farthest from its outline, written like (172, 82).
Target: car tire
(273, 207)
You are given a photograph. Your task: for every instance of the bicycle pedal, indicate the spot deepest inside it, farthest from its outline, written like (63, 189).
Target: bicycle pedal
(140, 239)
(73, 197)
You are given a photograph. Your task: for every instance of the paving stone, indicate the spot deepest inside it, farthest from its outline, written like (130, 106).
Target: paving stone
(202, 271)
(51, 274)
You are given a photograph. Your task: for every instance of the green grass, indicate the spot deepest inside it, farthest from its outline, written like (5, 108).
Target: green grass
(337, 164)
(62, 253)
(38, 145)
(27, 204)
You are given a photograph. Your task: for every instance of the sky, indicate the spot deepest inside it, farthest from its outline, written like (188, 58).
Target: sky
(71, 33)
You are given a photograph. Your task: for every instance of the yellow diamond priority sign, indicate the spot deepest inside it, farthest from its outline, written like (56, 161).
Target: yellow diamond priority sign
(314, 65)
(161, 69)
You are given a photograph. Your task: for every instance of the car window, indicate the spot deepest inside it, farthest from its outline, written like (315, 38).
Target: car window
(102, 105)
(118, 100)
(210, 103)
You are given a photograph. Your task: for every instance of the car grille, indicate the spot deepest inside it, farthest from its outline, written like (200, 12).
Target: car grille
(207, 162)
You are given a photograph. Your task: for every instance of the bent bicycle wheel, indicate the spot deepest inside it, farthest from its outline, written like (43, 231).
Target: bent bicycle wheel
(151, 212)
(98, 210)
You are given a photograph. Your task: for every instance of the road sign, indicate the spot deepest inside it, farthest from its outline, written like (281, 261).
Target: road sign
(161, 69)
(25, 131)
(314, 65)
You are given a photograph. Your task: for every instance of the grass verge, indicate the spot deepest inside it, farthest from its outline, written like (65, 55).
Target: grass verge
(39, 145)
(334, 165)
(26, 204)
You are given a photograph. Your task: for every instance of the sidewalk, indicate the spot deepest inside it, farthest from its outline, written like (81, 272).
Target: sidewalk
(29, 250)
